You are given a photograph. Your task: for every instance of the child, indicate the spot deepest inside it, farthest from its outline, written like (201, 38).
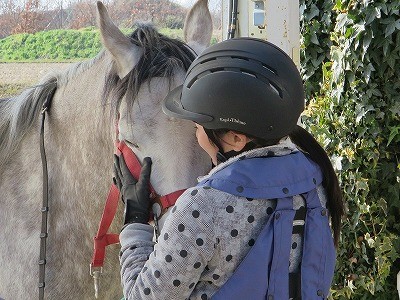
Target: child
(257, 226)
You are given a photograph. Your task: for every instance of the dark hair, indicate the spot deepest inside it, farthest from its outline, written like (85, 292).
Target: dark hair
(214, 135)
(308, 144)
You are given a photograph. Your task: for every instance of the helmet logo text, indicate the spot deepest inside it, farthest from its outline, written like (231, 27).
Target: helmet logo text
(232, 120)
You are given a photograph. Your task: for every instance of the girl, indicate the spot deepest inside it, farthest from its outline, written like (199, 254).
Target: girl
(256, 227)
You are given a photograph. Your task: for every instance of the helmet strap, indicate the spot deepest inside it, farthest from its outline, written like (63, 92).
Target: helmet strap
(221, 158)
(214, 139)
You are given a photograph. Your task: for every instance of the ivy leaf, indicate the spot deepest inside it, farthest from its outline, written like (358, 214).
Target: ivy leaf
(338, 5)
(383, 204)
(314, 12)
(386, 45)
(391, 27)
(337, 162)
(396, 108)
(342, 20)
(367, 72)
(337, 57)
(395, 191)
(314, 38)
(358, 28)
(384, 8)
(391, 61)
(372, 14)
(393, 133)
(361, 111)
(367, 41)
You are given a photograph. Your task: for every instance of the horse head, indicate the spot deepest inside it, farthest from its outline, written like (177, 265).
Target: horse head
(146, 66)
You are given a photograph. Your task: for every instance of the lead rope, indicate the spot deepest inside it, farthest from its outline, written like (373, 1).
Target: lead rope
(45, 205)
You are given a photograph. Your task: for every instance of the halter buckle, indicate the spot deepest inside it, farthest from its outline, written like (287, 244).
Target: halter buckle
(95, 272)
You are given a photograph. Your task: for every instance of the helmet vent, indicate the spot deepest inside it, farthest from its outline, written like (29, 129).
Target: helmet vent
(240, 57)
(269, 69)
(204, 74)
(208, 60)
(191, 82)
(246, 72)
(276, 89)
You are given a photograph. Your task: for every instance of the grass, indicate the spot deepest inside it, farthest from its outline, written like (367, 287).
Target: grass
(63, 45)
(59, 45)
(8, 90)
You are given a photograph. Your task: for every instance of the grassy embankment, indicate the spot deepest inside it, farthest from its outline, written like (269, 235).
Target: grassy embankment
(53, 46)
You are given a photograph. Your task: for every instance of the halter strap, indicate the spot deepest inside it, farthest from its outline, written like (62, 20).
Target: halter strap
(102, 238)
(135, 167)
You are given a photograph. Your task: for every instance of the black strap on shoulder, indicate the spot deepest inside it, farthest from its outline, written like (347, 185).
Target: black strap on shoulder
(45, 203)
(298, 228)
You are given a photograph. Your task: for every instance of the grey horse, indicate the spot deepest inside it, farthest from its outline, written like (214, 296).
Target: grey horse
(79, 134)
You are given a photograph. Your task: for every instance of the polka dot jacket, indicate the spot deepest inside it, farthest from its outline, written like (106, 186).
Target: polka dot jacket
(206, 236)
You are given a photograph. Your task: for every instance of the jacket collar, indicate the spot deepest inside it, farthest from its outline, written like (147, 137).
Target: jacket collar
(284, 147)
(272, 172)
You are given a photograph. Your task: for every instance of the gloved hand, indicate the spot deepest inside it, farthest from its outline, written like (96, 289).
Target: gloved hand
(135, 193)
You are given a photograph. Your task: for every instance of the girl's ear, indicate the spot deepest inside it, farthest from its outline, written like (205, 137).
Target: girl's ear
(238, 140)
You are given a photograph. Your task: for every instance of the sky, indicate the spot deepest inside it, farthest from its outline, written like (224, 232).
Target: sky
(186, 3)
(213, 4)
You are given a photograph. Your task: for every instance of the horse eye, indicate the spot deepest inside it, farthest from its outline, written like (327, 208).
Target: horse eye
(132, 144)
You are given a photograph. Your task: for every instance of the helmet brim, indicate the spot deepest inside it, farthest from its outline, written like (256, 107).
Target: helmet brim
(172, 106)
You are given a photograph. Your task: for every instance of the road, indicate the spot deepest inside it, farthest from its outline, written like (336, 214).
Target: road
(26, 73)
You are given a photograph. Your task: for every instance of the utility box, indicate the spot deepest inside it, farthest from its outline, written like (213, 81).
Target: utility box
(277, 21)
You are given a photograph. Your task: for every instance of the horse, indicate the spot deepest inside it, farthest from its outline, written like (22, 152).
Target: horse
(124, 84)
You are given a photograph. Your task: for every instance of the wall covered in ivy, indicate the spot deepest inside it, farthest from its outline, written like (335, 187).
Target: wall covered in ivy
(351, 69)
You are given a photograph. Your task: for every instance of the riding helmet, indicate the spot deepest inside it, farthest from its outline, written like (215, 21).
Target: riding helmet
(242, 84)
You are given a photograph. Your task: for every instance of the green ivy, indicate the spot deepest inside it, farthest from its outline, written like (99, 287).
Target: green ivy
(351, 67)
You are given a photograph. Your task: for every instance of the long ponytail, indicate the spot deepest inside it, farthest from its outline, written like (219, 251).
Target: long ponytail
(303, 139)
(307, 143)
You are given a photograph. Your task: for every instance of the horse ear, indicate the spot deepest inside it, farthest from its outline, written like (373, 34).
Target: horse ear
(125, 54)
(198, 26)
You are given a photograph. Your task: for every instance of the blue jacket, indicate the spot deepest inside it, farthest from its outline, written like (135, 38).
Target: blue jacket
(280, 177)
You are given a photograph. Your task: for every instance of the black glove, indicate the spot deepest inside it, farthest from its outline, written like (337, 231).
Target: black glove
(135, 193)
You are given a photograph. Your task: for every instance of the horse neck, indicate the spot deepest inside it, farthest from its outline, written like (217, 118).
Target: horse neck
(79, 140)
(78, 143)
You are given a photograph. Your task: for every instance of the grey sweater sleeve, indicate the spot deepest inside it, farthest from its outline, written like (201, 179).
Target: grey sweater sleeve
(171, 268)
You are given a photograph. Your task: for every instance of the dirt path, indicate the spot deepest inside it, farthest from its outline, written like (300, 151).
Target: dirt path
(19, 73)
(14, 77)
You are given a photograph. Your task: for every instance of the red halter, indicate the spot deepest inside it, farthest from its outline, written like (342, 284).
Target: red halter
(102, 238)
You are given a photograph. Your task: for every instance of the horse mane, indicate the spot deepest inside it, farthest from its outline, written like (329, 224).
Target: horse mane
(162, 56)
(19, 113)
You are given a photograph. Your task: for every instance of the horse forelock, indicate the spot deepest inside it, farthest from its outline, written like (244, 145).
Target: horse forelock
(162, 57)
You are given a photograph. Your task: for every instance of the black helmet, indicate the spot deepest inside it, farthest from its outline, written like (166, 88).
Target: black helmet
(242, 84)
